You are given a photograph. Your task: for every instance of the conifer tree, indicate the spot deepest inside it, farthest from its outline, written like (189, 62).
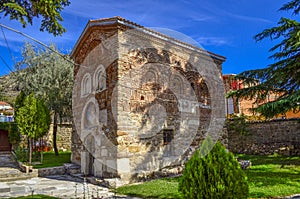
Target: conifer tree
(216, 175)
(25, 11)
(282, 78)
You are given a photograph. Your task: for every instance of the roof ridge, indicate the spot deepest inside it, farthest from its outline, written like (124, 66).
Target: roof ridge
(127, 22)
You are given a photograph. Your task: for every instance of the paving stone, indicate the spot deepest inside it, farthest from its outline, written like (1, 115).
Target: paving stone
(3, 190)
(61, 186)
(58, 186)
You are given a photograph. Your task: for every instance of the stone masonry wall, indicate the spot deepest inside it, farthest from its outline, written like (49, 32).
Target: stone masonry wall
(141, 101)
(276, 136)
(64, 132)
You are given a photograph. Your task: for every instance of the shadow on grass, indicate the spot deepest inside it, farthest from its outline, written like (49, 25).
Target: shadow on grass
(269, 178)
(50, 160)
(271, 159)
(273, 175)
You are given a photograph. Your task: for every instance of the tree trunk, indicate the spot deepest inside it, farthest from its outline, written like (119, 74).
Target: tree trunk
(55, 133)
(30, 151)
(41, 149)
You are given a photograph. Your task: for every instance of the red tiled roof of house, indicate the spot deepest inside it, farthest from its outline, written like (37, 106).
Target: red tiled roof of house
(4, 103)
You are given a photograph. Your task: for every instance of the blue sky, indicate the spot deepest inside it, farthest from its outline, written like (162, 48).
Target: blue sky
(224, 27)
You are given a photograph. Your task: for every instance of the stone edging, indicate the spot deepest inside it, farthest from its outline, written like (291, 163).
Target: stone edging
(68, 168)
(59, 170)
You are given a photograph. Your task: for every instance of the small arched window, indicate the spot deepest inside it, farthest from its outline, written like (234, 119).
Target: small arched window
(86, 84)
(100, 78)
(176, 84)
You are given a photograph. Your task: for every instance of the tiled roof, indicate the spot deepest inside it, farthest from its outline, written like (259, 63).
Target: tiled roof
(4, 103)
(120, 20)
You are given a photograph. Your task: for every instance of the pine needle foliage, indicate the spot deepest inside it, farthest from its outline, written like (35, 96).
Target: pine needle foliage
(217, 175)
(25, 11)
(282, 78)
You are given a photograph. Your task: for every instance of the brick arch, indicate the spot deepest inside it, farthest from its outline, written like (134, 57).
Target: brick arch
(185, 68)
(88, 43)
(207, 85)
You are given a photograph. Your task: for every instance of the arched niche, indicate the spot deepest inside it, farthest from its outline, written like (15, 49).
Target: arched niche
(99, 79)
(86, 85)
(176, 84)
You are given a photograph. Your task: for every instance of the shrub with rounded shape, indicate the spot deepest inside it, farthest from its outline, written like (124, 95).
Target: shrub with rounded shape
(217, 175)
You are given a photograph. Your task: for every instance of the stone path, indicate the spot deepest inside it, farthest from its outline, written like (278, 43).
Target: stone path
(58, 186)
(6, 160)
(9, 169)
(13, 184)
(64, 186)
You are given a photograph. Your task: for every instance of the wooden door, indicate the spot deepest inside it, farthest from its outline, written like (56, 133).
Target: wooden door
(4, 142)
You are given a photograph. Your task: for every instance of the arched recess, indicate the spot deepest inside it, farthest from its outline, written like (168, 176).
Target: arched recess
(204, 94)
(150, 76)
(176, 84)
(90, 116)
(99, 79)
(86, 85)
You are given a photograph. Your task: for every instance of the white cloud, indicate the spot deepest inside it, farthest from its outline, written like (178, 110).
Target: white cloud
(213, 41)
(247, 18)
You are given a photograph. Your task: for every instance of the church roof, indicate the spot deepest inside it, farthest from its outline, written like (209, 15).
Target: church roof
(119, 20)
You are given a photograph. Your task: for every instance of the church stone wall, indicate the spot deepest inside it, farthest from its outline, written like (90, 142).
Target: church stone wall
(142, 103)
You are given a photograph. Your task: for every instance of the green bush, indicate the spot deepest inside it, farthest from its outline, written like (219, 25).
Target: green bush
(215, 176)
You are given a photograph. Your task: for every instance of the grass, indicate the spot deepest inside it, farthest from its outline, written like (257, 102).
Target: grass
(272, 176)
(161, 188)
(35, 197)
(50, 160)
(269, 176)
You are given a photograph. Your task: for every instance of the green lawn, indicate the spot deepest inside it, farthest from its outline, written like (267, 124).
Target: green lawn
(161, 188)
(272, 176)
(50, 160)
(269, 176)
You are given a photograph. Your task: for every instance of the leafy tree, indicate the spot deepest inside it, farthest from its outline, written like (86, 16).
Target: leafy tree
(50, 77)
(33, 120)
(283, 76)
(19, 102)
(216, 175)
(2, 96)
(25, 11)
(14, 134)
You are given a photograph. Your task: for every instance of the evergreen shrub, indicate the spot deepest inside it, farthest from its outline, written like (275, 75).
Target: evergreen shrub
(216, 175)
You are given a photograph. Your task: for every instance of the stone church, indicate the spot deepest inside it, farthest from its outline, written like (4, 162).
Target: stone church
(142, 101)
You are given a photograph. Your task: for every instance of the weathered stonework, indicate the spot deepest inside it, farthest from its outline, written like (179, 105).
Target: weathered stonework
(64, 138)
(64, 134)
(266, 138)
(142, 101)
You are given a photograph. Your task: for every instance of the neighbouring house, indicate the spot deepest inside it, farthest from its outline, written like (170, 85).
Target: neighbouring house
(6, 115)
(6, 112)
(5, 106)
(244, 106)
(142, 101)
